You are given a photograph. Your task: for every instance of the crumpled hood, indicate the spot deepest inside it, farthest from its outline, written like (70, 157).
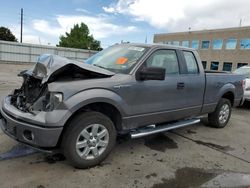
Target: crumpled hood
(48, 65)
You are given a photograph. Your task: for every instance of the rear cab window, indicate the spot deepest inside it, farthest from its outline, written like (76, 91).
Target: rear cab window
(191, 62)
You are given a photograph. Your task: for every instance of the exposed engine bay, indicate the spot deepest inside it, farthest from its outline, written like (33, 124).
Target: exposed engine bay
(33, 95)
(30, 91)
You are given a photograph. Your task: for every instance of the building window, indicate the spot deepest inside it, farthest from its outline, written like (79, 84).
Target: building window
(204, 63)
(176, 43)
(185, 43)
(214, 65)
(241, 64)
(217, 44)
(205, 44)
(227, 66)
(195, 44)
(231, 44)
(245, 43)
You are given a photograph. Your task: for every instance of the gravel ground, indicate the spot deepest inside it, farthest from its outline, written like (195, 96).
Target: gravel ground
(195, 156)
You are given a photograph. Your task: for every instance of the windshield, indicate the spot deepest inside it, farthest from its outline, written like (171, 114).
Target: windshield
(118, 58)
(244, 71)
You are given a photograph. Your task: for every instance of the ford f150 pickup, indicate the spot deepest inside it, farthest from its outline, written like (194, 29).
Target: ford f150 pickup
(138, 89)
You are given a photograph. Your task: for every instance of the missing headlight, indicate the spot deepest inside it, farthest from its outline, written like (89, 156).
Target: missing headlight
(55, 99)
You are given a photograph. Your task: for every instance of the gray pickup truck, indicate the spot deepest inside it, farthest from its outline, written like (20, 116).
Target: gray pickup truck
(138, 89)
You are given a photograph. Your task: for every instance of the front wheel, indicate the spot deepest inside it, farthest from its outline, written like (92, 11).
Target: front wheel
(88, 139)
(220, 117)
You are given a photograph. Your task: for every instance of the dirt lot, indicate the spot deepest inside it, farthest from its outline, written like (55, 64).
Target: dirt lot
(189, 157)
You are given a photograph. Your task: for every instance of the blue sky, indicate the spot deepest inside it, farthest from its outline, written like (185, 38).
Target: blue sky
(111, 21)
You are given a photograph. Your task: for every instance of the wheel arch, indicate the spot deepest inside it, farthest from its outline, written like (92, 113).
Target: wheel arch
(230, 96)
(105, 108)
(227, 92)
(101, 100)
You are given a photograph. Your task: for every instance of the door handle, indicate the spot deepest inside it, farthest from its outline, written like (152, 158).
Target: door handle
(180, 85)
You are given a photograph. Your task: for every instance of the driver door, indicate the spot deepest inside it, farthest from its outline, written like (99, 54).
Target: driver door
(154, 100)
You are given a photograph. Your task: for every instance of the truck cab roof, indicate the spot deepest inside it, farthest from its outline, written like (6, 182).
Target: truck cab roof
(157, 45)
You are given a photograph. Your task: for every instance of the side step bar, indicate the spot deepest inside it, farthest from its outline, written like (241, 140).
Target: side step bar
(145, 131)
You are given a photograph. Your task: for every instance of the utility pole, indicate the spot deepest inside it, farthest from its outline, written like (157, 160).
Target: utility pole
(21, 34)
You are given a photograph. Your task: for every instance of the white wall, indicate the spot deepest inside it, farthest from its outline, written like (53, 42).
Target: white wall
(14, 52)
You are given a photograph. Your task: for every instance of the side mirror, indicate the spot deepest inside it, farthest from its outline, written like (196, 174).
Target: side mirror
(151, 73)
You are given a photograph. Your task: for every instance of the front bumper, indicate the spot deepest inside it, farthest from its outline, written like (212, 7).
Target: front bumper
(28, 133)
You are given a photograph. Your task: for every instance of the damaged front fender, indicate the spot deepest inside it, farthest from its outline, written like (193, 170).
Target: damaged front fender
(34, 95)
(52, 67)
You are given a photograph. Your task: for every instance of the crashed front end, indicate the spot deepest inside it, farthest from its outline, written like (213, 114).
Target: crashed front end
(30, 91)
(33, 114)
(33, 96)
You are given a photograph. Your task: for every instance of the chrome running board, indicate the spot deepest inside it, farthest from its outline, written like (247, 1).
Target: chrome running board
(145, 131)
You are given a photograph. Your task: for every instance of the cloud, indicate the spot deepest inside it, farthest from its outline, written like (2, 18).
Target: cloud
(100, 26)
(179, 15)
(45, 27)
(83, 10)
(29, 35)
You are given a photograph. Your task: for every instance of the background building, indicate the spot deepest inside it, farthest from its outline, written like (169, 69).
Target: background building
(220, 49)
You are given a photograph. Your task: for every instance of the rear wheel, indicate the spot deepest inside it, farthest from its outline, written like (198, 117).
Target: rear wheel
(88, 139)
(220, 117)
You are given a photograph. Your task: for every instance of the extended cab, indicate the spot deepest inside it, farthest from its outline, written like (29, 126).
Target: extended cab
(80, 108)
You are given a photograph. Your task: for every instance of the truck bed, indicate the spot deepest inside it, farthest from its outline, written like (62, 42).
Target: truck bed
(217, 83)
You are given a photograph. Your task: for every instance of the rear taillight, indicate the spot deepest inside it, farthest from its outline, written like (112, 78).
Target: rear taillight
(243, 84)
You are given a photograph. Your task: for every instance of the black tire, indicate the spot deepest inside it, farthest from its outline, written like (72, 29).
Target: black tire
(71, 136)
(214, 117)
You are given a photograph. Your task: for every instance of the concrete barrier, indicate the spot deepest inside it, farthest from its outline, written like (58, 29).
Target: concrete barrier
(14, 52)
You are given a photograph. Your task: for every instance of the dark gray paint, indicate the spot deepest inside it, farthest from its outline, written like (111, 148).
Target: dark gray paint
(139, 102)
